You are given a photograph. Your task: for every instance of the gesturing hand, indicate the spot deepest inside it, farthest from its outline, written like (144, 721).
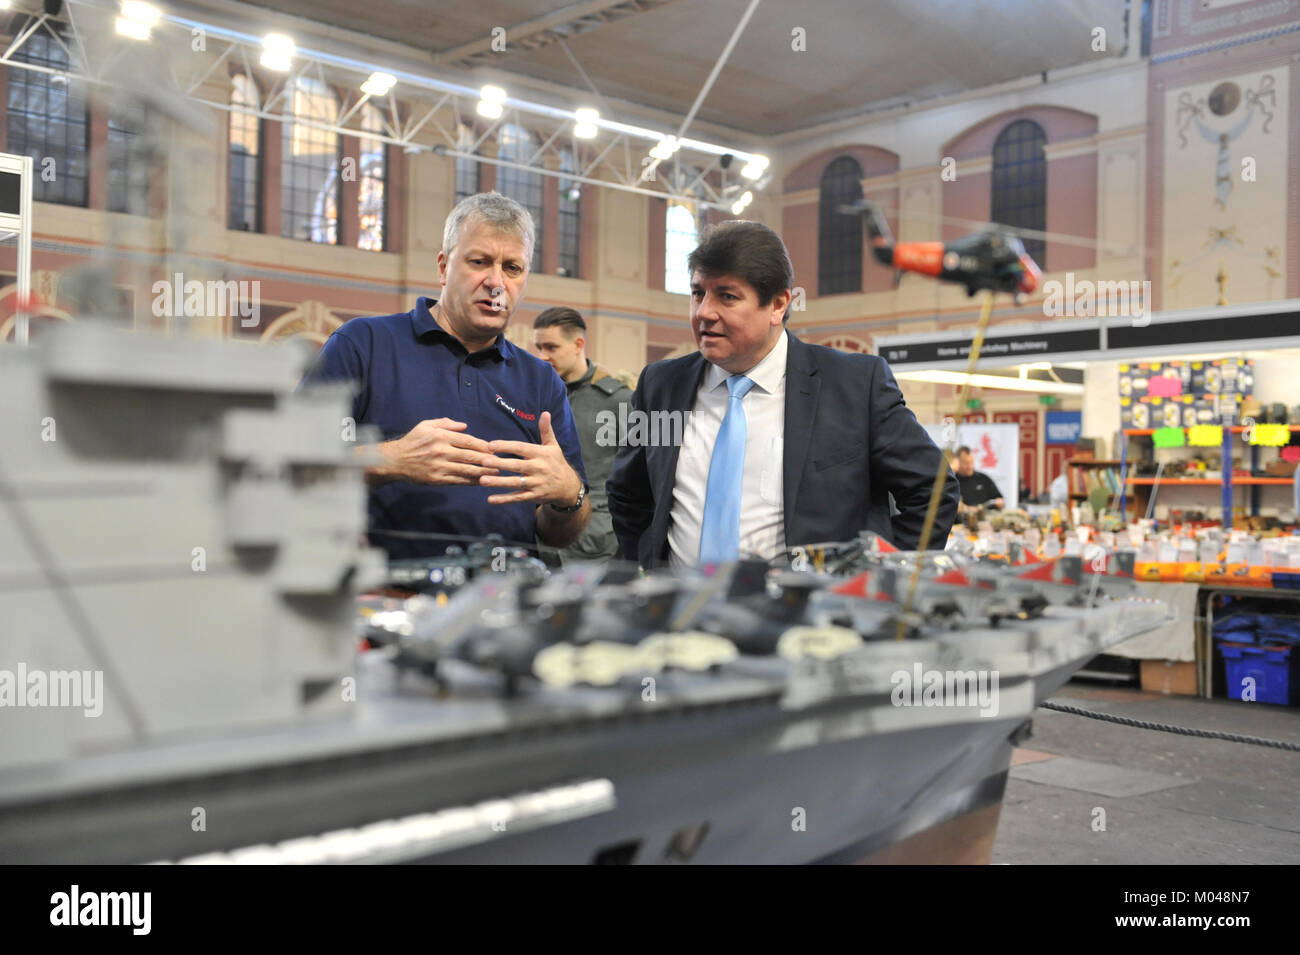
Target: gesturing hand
(436, 451)
(540, 472)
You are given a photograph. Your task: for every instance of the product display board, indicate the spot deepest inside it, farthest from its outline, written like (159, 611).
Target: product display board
(1179, 394)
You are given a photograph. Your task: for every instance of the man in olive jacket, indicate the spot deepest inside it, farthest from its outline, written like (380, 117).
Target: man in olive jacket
(560, 339)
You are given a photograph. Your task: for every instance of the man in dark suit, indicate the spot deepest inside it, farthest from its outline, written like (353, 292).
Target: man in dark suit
(783, 443)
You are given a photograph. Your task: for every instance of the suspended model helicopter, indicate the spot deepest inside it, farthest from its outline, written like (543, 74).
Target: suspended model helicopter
(993, 259)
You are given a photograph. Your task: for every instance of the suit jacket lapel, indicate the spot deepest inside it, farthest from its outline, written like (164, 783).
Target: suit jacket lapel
(681, 391)
(680, 397)
(802, 386)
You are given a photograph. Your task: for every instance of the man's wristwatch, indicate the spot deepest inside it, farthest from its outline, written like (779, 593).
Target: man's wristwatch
(570, 508)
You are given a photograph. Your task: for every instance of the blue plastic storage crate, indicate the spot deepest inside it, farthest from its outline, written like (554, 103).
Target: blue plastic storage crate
(1275, 670)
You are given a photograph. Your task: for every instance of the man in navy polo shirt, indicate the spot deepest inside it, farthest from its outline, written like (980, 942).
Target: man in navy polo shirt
(478, 437)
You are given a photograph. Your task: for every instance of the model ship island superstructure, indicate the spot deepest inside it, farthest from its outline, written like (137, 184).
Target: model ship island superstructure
(192, 534)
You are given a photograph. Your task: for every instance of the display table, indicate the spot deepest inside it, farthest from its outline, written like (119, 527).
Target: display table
(1176, 640)
(1188, 637)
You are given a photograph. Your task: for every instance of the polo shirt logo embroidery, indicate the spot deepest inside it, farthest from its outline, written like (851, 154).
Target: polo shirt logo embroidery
(522, 414)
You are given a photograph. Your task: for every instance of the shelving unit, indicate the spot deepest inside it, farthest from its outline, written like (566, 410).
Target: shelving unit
(1087, 464)
(1195, 482)
(1227, 482)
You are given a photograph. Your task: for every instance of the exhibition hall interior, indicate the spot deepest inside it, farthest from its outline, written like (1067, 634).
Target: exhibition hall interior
(650, 431)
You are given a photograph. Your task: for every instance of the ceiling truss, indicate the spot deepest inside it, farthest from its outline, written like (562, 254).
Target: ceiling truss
(421, 114)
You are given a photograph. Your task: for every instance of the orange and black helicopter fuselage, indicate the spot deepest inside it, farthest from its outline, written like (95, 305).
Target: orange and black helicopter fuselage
(994, 259)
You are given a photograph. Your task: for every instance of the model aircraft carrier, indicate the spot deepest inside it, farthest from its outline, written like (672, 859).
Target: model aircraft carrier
(182, 525)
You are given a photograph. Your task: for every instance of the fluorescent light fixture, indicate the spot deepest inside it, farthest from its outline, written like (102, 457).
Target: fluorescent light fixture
(939, 377)
(277, 51)
(755, 167)
(490, 100)
(5, 4)
(586, 125)
(378, 84)
(665, 148)
(136, 19)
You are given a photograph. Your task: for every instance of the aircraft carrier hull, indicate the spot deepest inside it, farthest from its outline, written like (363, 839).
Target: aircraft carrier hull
(705, 774)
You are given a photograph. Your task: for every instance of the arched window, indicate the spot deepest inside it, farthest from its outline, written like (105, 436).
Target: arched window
(467, 170)
(1020, 182)
(517, 145)
(372, 197)
(683, 226)
(129, 165)
(47, 119)
(568, 216)
(681, 236)
(839, 236)
(309, 177)
(245, 156)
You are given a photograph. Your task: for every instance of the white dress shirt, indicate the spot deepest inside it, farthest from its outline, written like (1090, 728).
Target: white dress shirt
(762, 515)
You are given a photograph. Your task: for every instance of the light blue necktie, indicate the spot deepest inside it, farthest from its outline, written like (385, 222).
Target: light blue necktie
(720, 529)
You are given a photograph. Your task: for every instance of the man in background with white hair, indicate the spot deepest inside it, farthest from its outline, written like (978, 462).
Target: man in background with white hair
(478, 435)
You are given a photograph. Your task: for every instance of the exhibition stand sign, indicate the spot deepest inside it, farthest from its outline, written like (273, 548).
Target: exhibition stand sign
(996, 448)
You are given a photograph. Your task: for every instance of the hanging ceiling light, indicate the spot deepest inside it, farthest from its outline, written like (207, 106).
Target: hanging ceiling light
(136, 20)
(490, 100)
(755, 167)
(378, 84)
(664, 149)
(586, 125)
(277, 52)
(741, 204)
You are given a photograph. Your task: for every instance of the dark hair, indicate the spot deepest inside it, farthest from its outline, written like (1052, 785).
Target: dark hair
(749, 250)
(963, 450)
(564, 318)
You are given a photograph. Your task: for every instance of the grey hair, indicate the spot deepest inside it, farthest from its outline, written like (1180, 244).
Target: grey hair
(501, 212)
